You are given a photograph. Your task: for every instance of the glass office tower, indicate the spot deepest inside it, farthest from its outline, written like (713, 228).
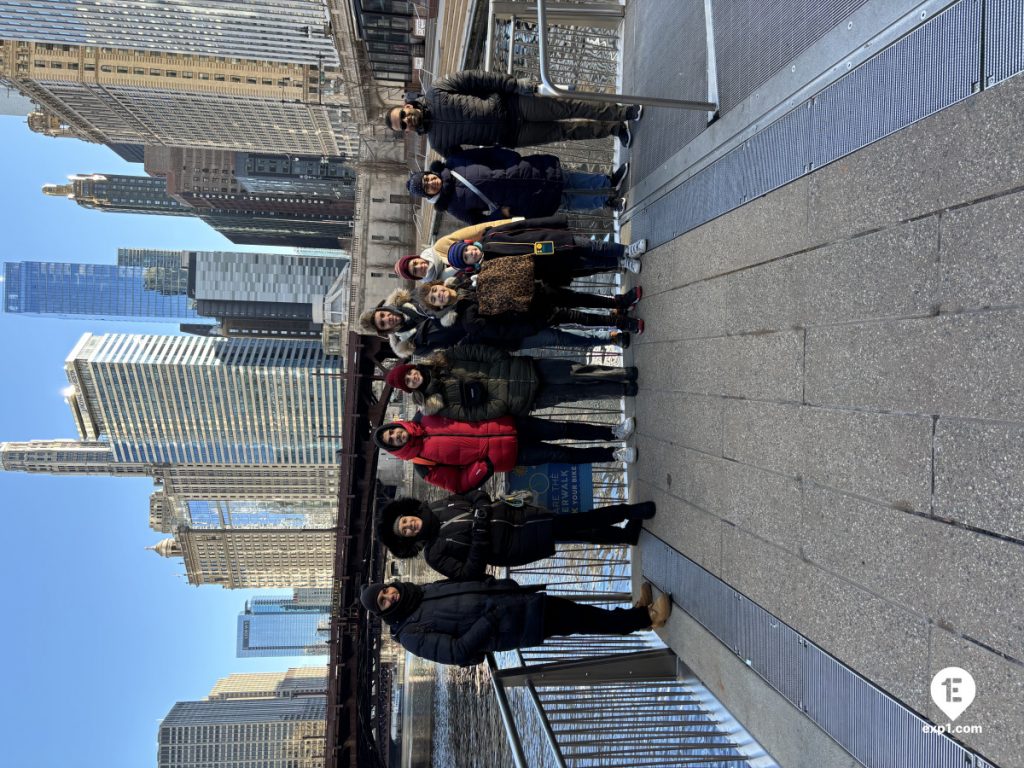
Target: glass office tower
(198, 400)
(97, 291)
(282, 626)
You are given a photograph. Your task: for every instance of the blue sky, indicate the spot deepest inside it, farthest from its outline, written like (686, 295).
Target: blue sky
(100, 637)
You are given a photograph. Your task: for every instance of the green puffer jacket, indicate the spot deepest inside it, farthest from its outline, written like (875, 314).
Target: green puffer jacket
(479, 383)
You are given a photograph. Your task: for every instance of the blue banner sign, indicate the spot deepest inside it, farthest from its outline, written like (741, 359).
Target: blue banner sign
(562, 488)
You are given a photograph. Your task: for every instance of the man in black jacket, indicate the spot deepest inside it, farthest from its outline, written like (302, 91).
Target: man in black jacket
(458, 622)
(485, 108)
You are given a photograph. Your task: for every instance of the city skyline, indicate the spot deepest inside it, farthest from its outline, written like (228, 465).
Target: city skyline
(96, 527)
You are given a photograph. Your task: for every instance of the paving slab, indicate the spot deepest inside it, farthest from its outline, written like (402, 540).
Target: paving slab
(881, 455)
(881, 640)
(969, 365)
(998, 705)
(765, 366)
(978, 477)
(688, 421)
(981, 264)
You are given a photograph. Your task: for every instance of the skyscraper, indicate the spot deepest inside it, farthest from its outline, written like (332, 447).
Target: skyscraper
(144, 194)
(195, 400)
(282, 626)
(65, 457)
(268, 732)
(296, 681)
(274, 30)
(97, 291)
(243, 558)
(123, 95)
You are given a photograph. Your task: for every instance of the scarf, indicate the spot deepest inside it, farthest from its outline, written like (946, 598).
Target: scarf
(411, 597)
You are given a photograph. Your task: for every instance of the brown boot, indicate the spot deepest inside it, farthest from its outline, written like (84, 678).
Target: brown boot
(660, 610)
(646, 596)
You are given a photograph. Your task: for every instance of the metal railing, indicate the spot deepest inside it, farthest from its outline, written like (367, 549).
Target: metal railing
(609, 700)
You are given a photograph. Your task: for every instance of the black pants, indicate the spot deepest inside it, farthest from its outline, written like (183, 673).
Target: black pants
(532, 431)
(596, 526)
(565, 617)
(565, 381)
(544, 120)
(589, 257)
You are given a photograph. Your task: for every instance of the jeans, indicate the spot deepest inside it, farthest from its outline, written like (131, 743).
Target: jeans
(585, 191)
(567, 617)
(556, 337)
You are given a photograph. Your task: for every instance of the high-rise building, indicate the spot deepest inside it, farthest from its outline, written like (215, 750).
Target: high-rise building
(248, 512)
(242, 558)
(293, 482)
(97, 291)
(144, 194)
(273, 30)
(261, 293)
(282, 626)
(289, 175)
(269, 732)
(296, 681)
(65, 457)
(121, 95)
(119, 193)
(194, 400)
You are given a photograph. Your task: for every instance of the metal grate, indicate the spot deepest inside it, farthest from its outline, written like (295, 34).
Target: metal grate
(755, 40)
(933, 67)
(673, 33)
(1004, 39)
(872, 726)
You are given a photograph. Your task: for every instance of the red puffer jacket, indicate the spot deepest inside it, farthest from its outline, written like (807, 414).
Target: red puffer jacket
(456, 455)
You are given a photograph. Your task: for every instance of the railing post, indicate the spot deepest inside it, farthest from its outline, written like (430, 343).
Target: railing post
(548, 88)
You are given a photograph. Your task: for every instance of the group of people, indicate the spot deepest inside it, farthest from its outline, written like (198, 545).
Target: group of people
(499, 285)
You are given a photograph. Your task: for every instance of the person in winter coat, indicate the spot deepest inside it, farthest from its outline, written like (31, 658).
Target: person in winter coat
(461, 535)
(549, 306)
(458, 622)
(478, 108)
(426, 265)
(412, 331)
(460, 456)
(492, 183)
(568, 256)
(473, 382)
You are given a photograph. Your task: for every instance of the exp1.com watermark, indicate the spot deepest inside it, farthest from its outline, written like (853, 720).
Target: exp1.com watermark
(953, 691)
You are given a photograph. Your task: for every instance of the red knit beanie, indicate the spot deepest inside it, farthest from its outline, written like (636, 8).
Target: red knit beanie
(396, 376)
(402, 267)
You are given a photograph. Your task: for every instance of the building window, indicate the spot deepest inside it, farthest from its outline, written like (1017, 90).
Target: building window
(401, 199)
(156, 72)
(204, 76)
(122, 70)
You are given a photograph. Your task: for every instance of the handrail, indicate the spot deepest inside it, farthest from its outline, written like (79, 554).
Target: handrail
(515, 742)
(548, 88)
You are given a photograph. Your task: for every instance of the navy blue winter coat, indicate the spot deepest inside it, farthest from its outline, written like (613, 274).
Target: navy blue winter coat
(528, 186)
(458, 622)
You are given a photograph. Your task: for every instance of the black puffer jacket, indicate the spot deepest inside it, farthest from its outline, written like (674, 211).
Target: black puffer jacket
(511, 536)
(528, 186)
(479, 382)
(473, 108)
(458, 622)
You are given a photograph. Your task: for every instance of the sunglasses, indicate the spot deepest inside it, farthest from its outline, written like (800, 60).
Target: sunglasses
(401, 121)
